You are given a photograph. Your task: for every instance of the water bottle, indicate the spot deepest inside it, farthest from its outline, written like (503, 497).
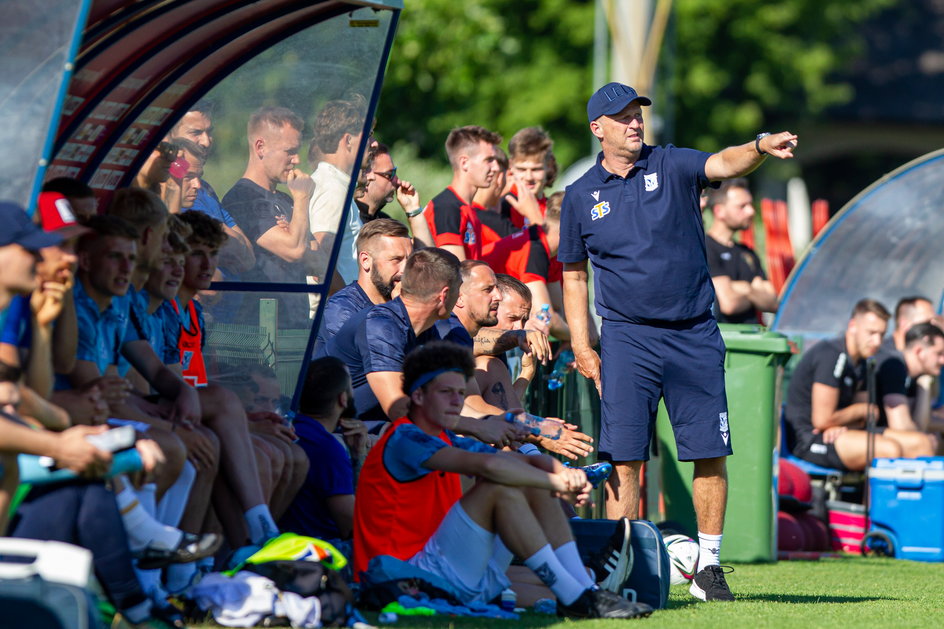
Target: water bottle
(40, 470)
(562, 366)
(544, 315)
(537, 426)
(597, 473)
(508, 600)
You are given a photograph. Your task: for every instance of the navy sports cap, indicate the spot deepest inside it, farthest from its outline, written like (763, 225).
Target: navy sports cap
(18, 229)
(611, 99)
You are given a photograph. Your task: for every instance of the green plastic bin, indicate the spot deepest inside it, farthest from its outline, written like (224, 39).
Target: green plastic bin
(753, 368)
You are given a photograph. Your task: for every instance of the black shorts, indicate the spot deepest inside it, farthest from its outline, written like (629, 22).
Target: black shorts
(824, 454)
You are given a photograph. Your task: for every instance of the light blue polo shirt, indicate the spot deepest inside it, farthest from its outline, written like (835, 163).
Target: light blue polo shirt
(643, 235)
(101, 333)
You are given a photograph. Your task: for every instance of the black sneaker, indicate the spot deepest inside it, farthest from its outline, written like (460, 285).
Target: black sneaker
(603, 604)
(709, 584)
(612, 565)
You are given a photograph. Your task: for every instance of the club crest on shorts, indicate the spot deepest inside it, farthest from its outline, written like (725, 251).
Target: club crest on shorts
(651, 181)
(723, 426)
(600, 210)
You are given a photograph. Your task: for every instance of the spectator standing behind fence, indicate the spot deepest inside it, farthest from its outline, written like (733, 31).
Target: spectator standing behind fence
(635, 215)
(742, 290)
(452, 220)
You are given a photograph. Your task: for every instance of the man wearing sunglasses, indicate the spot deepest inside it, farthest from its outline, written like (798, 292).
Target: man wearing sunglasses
(383, 185)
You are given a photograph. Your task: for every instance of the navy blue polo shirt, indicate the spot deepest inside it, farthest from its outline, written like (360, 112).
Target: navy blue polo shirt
(378, 339)
(643, 235)
(340, 307)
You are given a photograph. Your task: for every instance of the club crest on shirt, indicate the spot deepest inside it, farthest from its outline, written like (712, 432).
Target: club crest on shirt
(185, 359)
(748, 260)
(469, 237)
(651, 181)
(600, 210)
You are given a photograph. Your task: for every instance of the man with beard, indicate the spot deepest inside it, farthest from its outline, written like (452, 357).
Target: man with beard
(742, 290)
(324, 506)
(383, 245)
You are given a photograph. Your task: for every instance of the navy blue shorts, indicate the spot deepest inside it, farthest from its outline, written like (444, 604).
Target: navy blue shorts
(680, 361)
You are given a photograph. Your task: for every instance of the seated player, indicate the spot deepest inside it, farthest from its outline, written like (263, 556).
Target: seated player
(324, 507)
(492, 372)
(825, 421)
(409, 501)
(896, 381)
(374, 341)
(239, 450)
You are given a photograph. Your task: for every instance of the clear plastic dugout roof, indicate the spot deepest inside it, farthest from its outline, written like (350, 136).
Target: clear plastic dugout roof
(887, 243)
(110, 92)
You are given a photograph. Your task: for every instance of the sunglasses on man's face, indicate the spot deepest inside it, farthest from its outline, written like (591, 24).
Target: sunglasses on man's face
(389, 175)
(168, 151)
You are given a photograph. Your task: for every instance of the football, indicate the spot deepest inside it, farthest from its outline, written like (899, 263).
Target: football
(683, 557)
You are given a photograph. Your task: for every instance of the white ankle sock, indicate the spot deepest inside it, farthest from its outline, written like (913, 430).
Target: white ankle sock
(709, 549)
(548, 567)
(142, 529)
(569, 557)
(171, 507)
(261, 525)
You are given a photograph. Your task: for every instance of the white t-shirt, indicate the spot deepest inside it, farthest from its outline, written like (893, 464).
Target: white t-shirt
(324, 216)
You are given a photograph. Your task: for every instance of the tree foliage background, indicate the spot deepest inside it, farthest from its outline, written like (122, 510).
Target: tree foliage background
(729, 68)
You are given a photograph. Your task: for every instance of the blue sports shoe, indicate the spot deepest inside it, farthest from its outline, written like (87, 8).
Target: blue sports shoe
(597, 473)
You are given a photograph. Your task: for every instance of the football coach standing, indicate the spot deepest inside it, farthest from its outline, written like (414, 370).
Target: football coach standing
(635, 215)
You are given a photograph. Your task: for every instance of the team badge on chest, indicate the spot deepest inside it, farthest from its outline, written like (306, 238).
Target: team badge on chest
(651, 181)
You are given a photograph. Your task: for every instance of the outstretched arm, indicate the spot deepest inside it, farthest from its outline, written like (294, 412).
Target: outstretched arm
(737, 161)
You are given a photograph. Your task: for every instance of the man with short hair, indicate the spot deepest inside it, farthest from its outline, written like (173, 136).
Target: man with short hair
(237, 254)
(383, 245)
(453, 222)
(897, 372)
(910, 311)
(634, 214)
(337, 133)
(742, 290)
(410, 505)
(383, 184)
(825, 416)
(532, 168)
(283, 253)
(492, 372)
(223, 412)
(324, 506)
(374, 341)
(488, 206)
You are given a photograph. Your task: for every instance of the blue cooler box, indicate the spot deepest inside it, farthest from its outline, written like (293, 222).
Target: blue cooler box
(907, 502)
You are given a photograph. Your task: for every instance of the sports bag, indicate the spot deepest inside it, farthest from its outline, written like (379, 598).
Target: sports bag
(649, 579)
